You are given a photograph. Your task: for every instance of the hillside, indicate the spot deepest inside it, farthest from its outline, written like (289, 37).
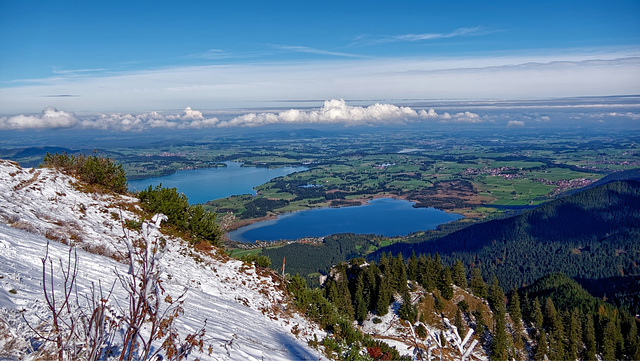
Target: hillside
(592, 235)
(247, 314)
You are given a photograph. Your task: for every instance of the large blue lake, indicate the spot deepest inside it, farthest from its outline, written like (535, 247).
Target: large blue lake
(202, 185)
(384, 216)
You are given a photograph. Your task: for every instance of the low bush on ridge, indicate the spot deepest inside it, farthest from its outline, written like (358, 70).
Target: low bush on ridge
(91, 169)
(194, 219)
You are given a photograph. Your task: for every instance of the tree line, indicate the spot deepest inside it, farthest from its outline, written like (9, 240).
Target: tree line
(554, 318)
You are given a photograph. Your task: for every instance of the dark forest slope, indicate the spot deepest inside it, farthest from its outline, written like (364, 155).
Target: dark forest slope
(593, 234)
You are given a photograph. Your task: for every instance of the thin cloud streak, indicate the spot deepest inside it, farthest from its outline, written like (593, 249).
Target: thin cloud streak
(212, 54)
(308, 50)
(72, 72)
(475, 31)
(220, 54)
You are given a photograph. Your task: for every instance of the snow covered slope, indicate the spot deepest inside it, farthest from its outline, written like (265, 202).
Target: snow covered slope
(246, 312)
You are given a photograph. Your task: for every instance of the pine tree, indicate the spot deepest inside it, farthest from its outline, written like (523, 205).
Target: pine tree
(459, 323)
(550, 315)
(630, 331)
(384, 295)
(439, 301)
(556, 346)
(337, 292)
(574, 332)
(407, 310)
(437, 264)
(459, 275)
(446, 284)
(541, 348)
(412, 267)
(556, 332)
(589, 338)
(478, 287)
(609, 340)
(443, 340)
(370, 286)
(526, 307)
(431, 274)
(399, 274)
(516, 317)
(499, 342)
(480, 323)
(536, 314)
(496, 295)
(360, 306)
(383, 263)
(421, 276)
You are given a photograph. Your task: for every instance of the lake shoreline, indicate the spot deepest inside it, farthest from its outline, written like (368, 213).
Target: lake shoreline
(381, 215)
(355, 202)
(202, 185)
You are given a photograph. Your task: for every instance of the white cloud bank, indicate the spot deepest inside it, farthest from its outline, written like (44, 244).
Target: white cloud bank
(332, 112)
(515, 124)
(338, 112)
(189, 119)
(49, 118)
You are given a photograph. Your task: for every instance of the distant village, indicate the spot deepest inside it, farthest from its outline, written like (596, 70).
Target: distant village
(260, 244)
(513, 173)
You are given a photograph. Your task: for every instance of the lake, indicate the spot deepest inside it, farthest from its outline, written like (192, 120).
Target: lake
(384, 216)
(205, 184)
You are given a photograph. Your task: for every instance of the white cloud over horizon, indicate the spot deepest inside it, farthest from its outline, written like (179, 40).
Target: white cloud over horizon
(189, 119)
(333, 111)
(50, 118)
(515, 124)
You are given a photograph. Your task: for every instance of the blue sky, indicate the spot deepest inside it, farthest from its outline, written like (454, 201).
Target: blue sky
(138, 56)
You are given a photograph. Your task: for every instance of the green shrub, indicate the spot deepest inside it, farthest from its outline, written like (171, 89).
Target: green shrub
(203, 224)
(167, 201)
(91, 169)
(193, 219)
(259, 260)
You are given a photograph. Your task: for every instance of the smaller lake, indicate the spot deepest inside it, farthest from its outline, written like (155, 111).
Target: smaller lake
(384, 216)
(202, 185)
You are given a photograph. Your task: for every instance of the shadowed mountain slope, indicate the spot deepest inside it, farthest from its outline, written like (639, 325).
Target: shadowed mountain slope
(592, 234)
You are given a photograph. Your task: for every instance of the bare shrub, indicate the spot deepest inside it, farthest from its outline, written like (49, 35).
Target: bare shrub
(97, 326)
(25, 226)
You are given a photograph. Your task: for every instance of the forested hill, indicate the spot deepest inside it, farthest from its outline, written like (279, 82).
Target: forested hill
(592, 234)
